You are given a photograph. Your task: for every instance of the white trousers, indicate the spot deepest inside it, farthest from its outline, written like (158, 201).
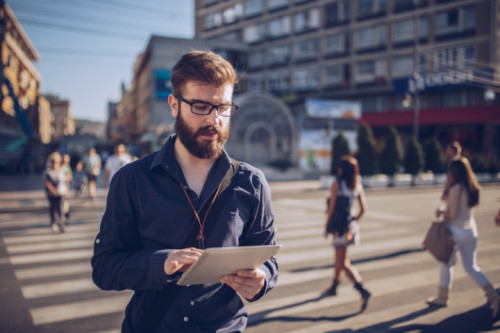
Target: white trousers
(466, 244)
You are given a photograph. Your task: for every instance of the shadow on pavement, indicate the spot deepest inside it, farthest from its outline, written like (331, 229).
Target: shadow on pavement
(359, 261)
(475, 320)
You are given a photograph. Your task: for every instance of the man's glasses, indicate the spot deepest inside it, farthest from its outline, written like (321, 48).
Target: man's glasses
(205, 108)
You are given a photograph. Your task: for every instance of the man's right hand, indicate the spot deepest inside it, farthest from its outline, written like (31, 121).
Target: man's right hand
(181, 260)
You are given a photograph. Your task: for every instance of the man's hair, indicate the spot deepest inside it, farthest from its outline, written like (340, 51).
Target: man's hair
(204, 66)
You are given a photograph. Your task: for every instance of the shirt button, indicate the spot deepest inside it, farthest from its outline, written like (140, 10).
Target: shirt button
(186, 319)
(97, 241)
(192, 303)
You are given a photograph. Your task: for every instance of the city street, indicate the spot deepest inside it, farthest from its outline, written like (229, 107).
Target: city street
(46, 286)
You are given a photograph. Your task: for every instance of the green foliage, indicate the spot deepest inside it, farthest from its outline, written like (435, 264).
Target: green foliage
(414, 157)
(340, 147)
(434, 157)
(366, 150)
(390, 158)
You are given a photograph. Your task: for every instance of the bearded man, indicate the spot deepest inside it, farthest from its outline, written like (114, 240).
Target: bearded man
(163, 210)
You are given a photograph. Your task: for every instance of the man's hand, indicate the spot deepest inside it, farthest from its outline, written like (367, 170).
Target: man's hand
(181, 260)
(247, 283)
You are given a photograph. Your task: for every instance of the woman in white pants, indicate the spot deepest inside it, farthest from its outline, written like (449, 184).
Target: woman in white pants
(462, 196)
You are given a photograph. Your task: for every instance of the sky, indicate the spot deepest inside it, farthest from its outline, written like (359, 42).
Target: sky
(88, 48)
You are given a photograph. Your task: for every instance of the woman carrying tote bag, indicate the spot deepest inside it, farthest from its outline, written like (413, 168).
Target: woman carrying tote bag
(462, 196)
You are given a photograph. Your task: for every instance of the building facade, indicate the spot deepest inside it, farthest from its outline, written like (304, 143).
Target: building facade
(427, 67)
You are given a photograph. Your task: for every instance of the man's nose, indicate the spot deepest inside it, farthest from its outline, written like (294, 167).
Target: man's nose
(214, 116)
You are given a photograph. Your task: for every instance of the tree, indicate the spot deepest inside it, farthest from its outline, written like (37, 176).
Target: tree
(390, 158)
(340, 147)
(434, 157)
(366, 150)
(414, 158)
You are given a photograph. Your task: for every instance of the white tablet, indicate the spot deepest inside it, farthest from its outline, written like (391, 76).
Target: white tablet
(215, 262)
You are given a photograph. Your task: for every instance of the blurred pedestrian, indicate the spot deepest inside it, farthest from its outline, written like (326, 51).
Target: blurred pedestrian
(79, 181)
(92, 169)
(497, 218)
(115, 162)
(452, 152)
(344, 226)
(55, 153)
(66, 168)
(458, 213)
(56, 189)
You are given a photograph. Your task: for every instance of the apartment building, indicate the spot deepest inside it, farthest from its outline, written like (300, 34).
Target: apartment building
(425, 66)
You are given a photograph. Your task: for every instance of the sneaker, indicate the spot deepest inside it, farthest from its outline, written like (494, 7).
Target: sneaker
(54, 227)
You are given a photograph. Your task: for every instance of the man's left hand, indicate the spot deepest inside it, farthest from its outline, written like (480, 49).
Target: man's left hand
(247, 283)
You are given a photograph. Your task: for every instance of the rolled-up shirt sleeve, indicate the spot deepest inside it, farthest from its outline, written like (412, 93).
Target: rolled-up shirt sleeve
(119, 262)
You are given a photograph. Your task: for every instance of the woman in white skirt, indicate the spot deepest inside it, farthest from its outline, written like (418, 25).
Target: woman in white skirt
(344, 226)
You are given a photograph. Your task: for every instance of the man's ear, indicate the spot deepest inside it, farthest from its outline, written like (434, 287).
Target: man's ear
(174, 105)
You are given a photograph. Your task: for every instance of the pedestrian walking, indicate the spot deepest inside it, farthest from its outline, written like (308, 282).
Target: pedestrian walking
(56, 189)
(80, 181)
(453, 151)
(463, 195)
(344, 225)
(68, 175)
(163, 210)
(92, 169)
(119, 158)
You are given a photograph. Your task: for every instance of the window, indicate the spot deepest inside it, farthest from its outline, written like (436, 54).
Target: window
(279, 55)
(254, 7)
(307, 20)
(276, 4)
(279, 82)
(403, 66)
(332, 75)
(423, 27)
(336, 13)
(306, 50)
(447, 22)
(211, 21)
(469, 14)
(255, 84)
(371, 37)
(456, 21)
(207, 3)
(232, 14)
(306, 78)
(368, 8)
(370, 70)
(256, 60)
(403, 31)
(454, 58)
(254, 33)
(335, 44)
(279, 27)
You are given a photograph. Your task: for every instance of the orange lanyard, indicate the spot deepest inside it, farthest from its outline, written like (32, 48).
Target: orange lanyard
(201, 237)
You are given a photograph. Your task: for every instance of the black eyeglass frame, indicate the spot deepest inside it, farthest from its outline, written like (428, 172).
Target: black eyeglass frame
(233, 107)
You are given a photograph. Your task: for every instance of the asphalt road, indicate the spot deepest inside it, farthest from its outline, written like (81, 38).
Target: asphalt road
(45, 283)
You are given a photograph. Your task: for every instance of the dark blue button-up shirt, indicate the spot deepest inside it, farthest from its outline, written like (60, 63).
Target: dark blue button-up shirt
(147, 216)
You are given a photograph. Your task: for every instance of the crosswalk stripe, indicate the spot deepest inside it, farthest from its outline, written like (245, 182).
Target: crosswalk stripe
(419, 311)
(50, 237)
(310, 302)
(78, 310)
(49, 246)
(50, 257)
(57, 288)
(52, 271)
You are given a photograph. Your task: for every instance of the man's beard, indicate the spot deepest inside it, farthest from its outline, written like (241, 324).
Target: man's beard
(197, 147)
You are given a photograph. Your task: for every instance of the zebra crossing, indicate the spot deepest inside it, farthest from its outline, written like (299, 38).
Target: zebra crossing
(54, 275)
